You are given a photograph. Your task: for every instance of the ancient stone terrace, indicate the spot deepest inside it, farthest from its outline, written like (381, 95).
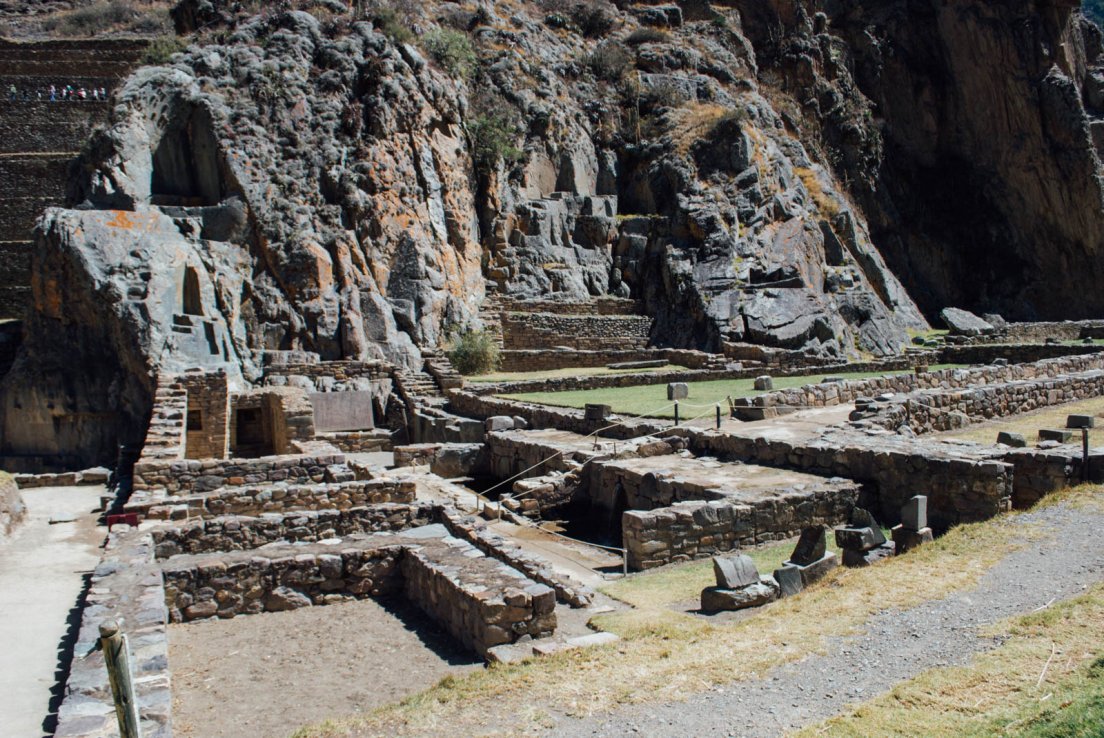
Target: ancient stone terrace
(39, 139)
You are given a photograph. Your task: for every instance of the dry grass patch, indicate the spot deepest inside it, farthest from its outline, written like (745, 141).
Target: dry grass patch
(696, 122)
(1029, 423)
(667, 656)
(828, 205)
(1047, 680)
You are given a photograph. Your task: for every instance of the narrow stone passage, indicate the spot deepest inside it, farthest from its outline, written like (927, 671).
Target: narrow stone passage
(42, 574)
(895, 645)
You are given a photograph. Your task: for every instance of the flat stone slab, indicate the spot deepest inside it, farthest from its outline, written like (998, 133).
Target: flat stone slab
(549, 647)
(1081, 421)
(752, 413)
(1015, 440)
(964, 323)
(1058, 435)
(649, 364)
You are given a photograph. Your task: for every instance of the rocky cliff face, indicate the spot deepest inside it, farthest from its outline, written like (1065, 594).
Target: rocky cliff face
(355, 187)
(969, 133)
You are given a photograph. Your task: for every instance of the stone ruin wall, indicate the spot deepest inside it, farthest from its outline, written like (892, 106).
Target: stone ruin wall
(837, 393)
(960, 489)
(479, 602)
(693, 530)
(274, 499)
(208, 415)
(933, 411)
(193, 475)
(580, 332)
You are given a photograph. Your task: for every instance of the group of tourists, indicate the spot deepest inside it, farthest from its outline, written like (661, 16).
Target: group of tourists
(53, 93)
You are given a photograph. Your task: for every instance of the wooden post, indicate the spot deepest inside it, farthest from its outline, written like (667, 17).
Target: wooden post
(1084, 454)
(117, 659)
(718, 416)
(676, 414)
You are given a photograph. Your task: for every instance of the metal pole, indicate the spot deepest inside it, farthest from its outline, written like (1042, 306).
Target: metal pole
(676, 414)
(1084, 454)
(117, 660)
(718, 417)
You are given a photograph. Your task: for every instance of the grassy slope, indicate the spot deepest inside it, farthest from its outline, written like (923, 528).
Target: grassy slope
(651, 400)
(666, 654)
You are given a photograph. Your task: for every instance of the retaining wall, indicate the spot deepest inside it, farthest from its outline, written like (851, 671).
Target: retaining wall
(242, 533)
(694, 530)
(277, 498)
(192, 475)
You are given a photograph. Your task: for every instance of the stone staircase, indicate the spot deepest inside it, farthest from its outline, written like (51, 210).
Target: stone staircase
(39, 139)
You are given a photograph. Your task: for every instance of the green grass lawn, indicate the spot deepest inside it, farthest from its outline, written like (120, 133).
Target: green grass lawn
(595, 371)
(651, 400)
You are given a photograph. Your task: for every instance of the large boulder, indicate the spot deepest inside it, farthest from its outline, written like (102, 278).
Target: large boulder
(964, 323)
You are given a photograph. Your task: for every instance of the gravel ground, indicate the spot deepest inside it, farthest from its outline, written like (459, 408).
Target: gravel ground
(894, 647)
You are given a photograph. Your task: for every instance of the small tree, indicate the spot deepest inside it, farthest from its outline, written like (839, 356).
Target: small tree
(474, 352)
(452, 50)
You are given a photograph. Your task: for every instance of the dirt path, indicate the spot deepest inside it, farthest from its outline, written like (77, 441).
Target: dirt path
(895, 645)
(265, 676)
(42, 570)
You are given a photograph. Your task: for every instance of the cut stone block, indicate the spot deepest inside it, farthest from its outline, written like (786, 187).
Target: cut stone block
(764, 384)
(1081, 421)
(499, 423)
(861, 518)
(597, 413)
(714, 599)
(858, 559)
(914, 515)
(810, 547)
(1015, 440)
(817, 570)
(905, 539)
(857, 539)
(789, 580)
(753, 413)
(734, 572)
(678, 391)
(1058, 435)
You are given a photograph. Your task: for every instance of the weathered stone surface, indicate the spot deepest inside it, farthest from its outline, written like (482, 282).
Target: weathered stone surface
(764, 384)
(811, 547)
(817, 570)
(678, 391)
(854, 558)
(715, 599)
(499, 423)
(1058, 435)
(914, 514)
(1081, 421)
(857, 539)
(862, 518)
(906, 539)
(1016, 440)
(964, 323)
(285, 598)
(734, 572)
(789, 580)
